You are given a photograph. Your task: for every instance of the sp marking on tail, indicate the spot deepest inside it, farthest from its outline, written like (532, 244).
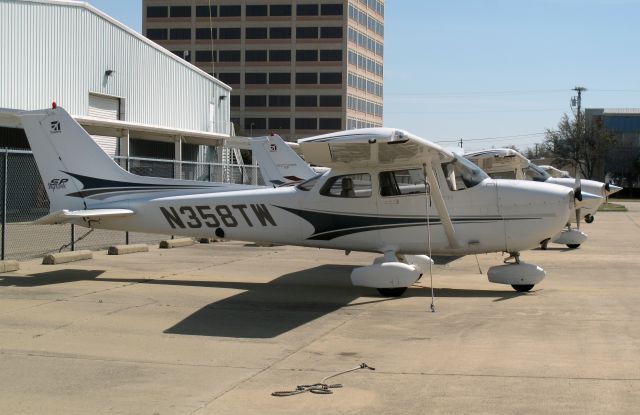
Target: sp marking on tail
(57, 184)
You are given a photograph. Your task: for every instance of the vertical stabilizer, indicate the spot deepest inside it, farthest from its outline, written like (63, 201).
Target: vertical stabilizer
(279, 164)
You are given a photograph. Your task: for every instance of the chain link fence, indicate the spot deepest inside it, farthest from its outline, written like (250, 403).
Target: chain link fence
(24, 199)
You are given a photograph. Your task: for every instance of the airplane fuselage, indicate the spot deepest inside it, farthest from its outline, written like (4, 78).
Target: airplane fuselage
(495, 215)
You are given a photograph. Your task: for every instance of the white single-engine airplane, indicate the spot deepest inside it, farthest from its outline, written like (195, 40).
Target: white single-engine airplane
(387, 191)
(506, 163)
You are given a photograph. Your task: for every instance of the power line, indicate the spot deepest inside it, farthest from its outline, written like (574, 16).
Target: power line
(518, 137)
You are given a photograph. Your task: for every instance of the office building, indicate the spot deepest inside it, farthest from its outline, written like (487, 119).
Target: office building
(298, 68)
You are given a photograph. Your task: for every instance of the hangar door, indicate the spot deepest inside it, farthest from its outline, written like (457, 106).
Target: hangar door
(103, 106)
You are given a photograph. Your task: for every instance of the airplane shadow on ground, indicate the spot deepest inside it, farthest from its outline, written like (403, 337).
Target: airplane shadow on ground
(263, 310)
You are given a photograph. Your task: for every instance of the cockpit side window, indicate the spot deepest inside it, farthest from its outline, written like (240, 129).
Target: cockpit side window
(348, 186)
(402, 182)
(462, 174)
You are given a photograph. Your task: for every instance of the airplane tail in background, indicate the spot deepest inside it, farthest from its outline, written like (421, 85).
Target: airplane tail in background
(77, 173)
(279, 164)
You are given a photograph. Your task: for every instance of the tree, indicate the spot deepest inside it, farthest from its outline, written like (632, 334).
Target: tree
(585, 145)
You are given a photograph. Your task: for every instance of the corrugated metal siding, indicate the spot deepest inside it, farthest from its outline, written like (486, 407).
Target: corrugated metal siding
(101, 106)
(61, 52)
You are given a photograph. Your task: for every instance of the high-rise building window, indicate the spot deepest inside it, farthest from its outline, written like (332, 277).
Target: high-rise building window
(229, 33)
(206, 33)
(255, 100)
(306, 32)
(229, 56)
(180, 34)
(331, 55)
(204, 11)
(331, 10)
(180, 11)
(331, 32)
(157, 34)
(255, 55)
(280, 10)
(205, 56)
(280, 33)
(306, 123)
(235, 100)
(330, 123)
(307, 55)
(255, 123)
(279, 123)
(331, 78)
(256, 10)
(229, 77)
(157, 11)
(255, 78)
(279, 78)
(306, 78)
(307, 9)
(255, 33)
(280, 55)
(330, 100)
(306, 101)
(230, 11)
(279, 100)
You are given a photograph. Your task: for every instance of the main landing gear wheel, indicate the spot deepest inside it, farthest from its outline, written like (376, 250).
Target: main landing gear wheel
(522, 288)
(573, 246)
(544, 244)
(589, 218)
(392, 292)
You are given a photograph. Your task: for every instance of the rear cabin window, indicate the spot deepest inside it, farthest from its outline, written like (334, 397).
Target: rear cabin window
(348, 185)
(402, 182)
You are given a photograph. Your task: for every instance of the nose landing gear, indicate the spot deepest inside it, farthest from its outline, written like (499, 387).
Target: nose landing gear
(520, 275)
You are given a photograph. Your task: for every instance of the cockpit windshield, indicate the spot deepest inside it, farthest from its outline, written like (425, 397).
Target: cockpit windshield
(535, 173)
(462, 173)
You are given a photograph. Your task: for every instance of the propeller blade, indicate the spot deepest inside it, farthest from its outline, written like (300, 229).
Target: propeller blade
(577, 188)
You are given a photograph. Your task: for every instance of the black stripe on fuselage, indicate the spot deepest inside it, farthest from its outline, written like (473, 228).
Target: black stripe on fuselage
(330, 225)
(92, 186)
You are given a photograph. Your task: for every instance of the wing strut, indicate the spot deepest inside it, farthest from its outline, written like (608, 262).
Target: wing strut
(436, 193)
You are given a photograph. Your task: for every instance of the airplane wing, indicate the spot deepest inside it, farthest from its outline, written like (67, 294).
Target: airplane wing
(370, 147)
(66, 216)
(279, 163)
(375, 147)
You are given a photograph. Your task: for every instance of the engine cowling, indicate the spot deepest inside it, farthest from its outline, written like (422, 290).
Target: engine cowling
(516, 274)
(385, 275)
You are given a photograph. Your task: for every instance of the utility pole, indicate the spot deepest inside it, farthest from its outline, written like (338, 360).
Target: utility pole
(579, 130)
(461, 143)
(579, 90)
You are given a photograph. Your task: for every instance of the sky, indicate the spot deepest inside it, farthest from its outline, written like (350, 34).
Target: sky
(494, 72)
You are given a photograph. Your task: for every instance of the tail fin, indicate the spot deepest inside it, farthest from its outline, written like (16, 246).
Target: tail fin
(279, 164)
(62, 149)
(77, 173)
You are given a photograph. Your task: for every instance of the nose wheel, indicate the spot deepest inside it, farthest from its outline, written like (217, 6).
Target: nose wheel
(589, 218)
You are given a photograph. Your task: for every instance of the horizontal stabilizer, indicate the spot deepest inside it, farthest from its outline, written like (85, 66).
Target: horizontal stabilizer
(66, 216)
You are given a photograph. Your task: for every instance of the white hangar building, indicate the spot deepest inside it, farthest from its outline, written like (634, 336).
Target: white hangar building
(135, 97)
